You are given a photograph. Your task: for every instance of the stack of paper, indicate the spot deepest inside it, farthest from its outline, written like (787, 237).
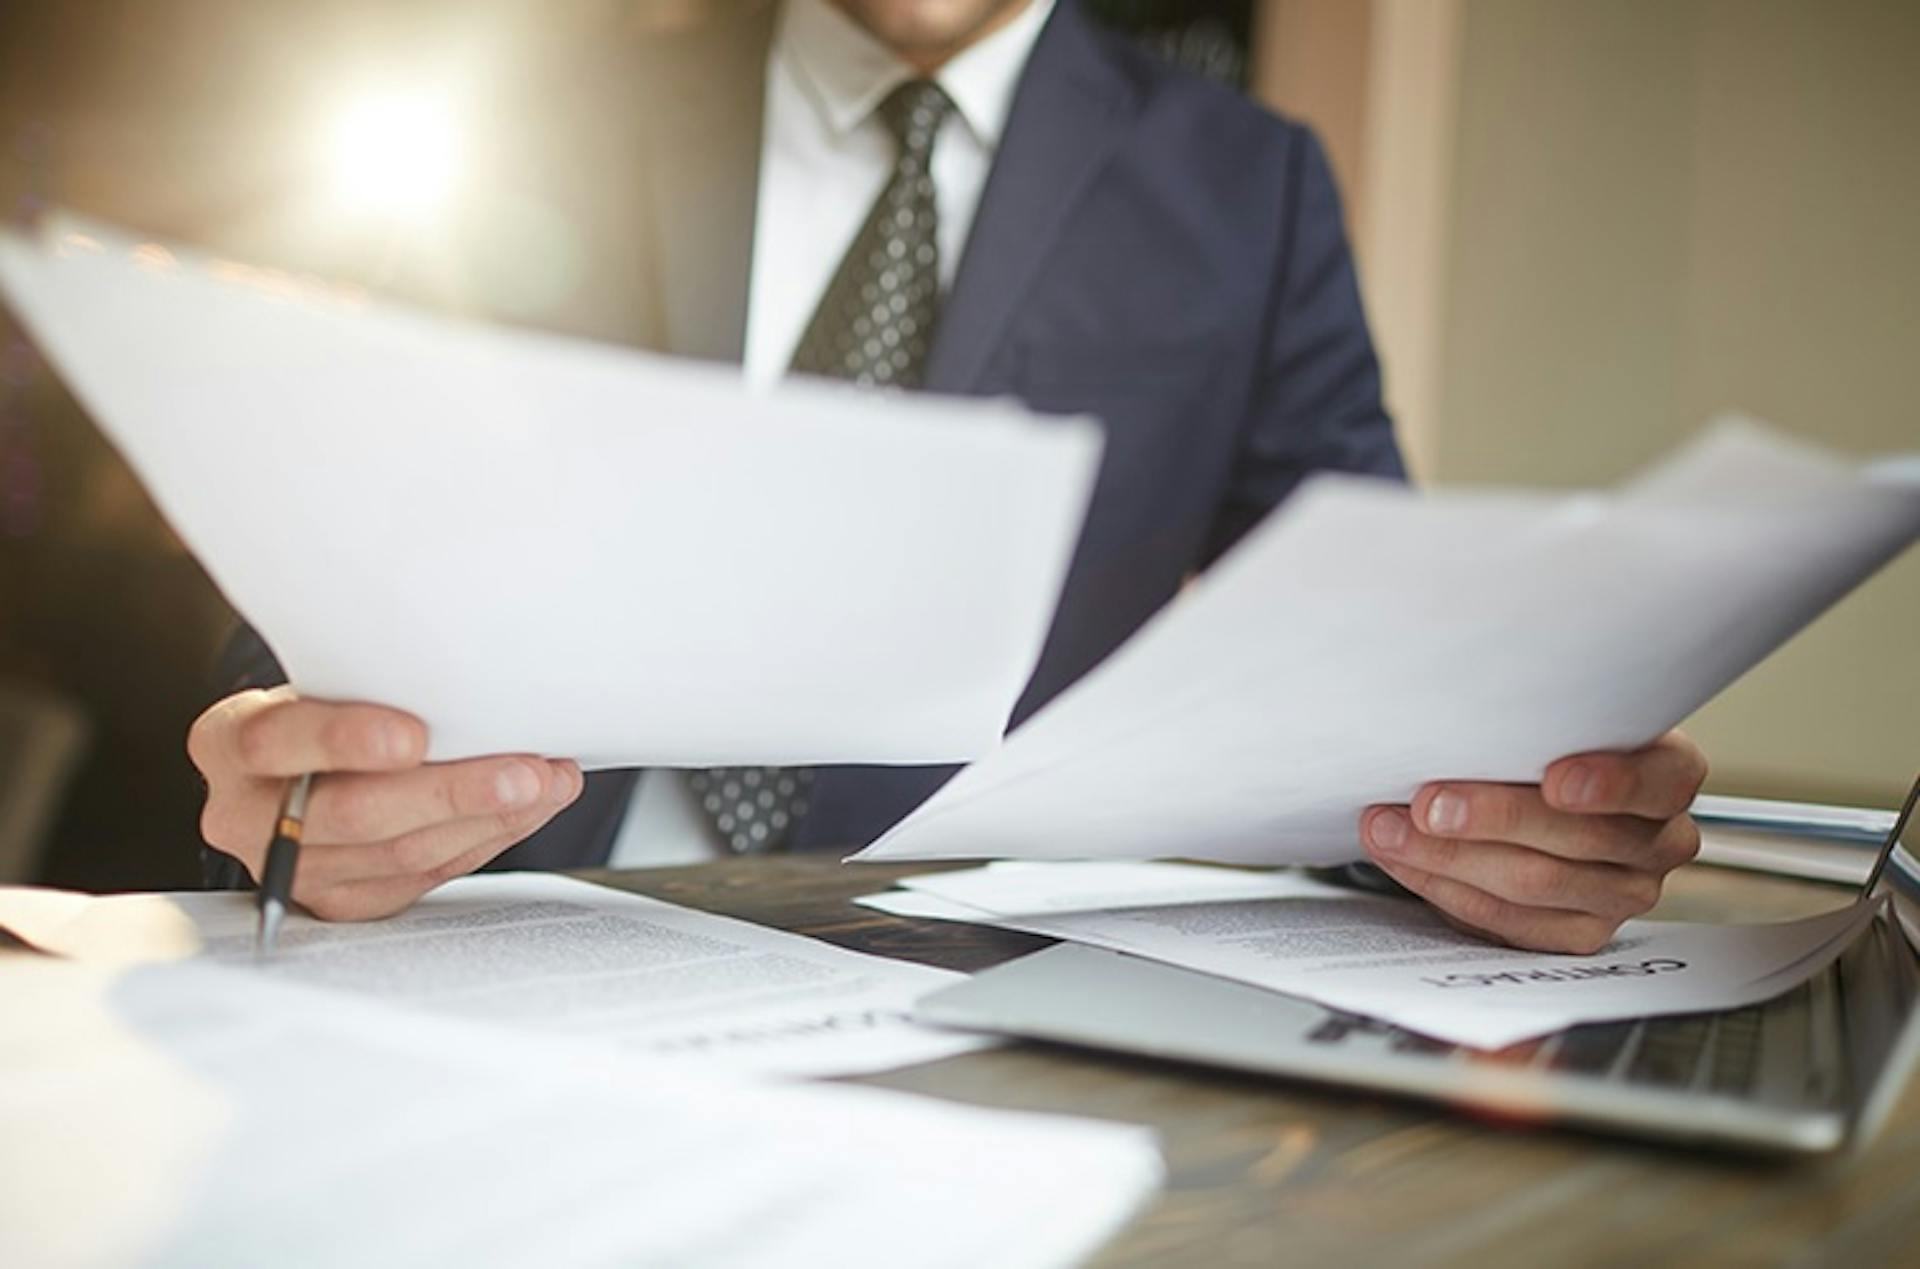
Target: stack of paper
(186, 1115)
(1367, 639)
(1391, 959)
(1796, 839)
(549, 955)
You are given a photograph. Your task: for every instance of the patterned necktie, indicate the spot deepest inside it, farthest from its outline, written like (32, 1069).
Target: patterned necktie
(874, 326)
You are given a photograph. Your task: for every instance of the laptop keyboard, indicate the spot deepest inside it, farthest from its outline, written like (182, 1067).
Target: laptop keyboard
(1736, 1053)
(1595, 1048)
(1670, 1052)
(1717, 1052)
(1800, 1048)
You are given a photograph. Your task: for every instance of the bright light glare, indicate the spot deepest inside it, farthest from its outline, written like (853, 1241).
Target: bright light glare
(395, 152)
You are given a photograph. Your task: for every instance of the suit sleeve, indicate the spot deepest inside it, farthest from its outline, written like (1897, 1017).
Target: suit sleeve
(1317, 405)
(246, 662)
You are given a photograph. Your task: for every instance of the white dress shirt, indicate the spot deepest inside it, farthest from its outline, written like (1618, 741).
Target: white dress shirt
(824, 157)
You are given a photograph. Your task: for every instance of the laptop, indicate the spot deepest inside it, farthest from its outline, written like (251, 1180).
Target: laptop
(1813, 1070)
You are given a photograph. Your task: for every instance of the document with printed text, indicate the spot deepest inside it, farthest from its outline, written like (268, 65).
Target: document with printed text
(548, 954)
(1392, 959)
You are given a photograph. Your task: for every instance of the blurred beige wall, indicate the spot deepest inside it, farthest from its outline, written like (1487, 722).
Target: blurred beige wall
(1648, 211)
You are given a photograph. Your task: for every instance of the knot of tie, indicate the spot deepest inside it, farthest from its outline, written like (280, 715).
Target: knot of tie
(913, 113)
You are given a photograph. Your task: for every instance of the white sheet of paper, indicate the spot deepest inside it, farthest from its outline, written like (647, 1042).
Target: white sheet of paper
(1020, 887)
(188, 1115)
(1819, 858)
(1367, 639)
(1398, 961)
(1848, 823)
(551, 546)
(554, 955)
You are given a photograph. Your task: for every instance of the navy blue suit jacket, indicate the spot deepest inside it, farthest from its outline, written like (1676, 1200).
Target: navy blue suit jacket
(1150, 248)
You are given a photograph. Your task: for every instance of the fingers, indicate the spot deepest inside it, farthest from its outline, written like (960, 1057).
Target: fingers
(277, 734)
(237, 818)
(1658, 782)
(424, 858)
(248, 744)
(1540, 929)
(1519, 875)
(374, 898)
(362, 881)
(382, 828)
(1555, 867)
(1520, 815)
(240, 823)
(363, 807)
(1516, 863)
(293, 737)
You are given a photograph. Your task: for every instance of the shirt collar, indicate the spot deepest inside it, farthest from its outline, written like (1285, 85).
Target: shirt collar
(846, 73)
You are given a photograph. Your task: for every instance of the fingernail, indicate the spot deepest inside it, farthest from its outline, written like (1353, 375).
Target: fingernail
(1447, 813)
(1388, 830)
(389, 742)
(516, 785)
(569, 785)
(1576, 787)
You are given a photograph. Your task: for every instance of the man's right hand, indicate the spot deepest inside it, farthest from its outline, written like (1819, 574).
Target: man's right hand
(383, 826)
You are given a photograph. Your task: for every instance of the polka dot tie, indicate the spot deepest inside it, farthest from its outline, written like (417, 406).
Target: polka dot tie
(873, 326)
(753, 807)
(875, 321)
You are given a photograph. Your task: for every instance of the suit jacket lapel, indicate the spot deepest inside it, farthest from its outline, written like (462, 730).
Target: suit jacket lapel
(705, 174)
(1068, 115)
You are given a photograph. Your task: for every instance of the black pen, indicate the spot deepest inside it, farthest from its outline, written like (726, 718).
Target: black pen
(276, 879)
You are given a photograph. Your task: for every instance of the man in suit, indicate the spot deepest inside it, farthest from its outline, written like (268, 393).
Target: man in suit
(983, 197)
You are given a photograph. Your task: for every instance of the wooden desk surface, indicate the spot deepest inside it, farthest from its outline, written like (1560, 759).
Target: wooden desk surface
(1265, 1172)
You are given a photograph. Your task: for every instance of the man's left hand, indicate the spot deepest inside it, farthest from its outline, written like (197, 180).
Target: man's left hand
(1556, 866)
